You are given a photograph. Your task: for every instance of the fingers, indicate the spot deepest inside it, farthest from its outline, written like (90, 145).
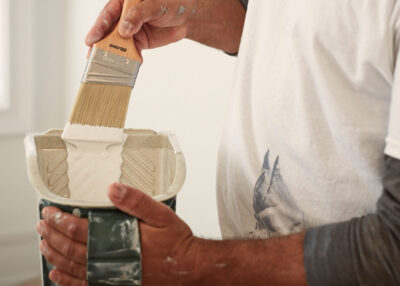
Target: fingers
(89, 52)
(167, 22)
(61, 262)
(106, 19)
(68, 224)
(64, 245)
(138, 204)
(137, 15)
(69, 248)
(63, 279)
(156, 13)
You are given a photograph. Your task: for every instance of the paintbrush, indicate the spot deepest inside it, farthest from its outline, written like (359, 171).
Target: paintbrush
(94, 134)
(108, 80)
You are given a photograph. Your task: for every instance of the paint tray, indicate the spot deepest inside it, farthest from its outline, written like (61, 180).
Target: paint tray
(152, 163)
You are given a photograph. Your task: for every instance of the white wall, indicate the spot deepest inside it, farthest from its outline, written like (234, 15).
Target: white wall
(183, 87)
(41, 93)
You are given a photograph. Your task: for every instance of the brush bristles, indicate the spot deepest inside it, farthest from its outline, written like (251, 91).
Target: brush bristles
(101, 105)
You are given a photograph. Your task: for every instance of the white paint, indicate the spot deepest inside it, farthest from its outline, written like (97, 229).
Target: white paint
(181, 10)
(100, 220)
(76, 212)
(58, 218)
(17, 62)
(163, 10)
(4, 56)
(94, 160)
(41, 70)
(169, 259)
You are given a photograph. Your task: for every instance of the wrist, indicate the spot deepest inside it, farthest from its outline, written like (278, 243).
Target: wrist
(200, 246)
(227, 262)
(210, 263)
(192, 21)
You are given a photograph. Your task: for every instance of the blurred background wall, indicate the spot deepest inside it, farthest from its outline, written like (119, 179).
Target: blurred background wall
(183, 87)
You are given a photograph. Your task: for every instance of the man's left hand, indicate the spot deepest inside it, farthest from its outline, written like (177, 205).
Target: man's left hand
(169, 249)
(64, 245)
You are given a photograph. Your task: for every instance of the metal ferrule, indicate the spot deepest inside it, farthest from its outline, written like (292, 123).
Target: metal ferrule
(108, 68)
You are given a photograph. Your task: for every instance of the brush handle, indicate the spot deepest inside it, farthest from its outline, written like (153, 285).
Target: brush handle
(114, 43)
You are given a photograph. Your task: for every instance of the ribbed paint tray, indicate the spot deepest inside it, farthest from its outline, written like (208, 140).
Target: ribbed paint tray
(152, 163)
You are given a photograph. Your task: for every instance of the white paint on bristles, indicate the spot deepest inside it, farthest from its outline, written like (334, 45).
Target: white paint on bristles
(94, 160)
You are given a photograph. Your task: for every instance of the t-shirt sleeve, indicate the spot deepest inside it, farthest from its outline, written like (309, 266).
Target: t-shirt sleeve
(393, 136)
(244, 3)
(364, 251)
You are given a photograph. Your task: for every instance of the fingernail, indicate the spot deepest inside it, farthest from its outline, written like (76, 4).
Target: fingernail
(126, 28)
(45, 213)
(43, 229)
(39, 228)
(93, 38)
(55, 277)
(119, 192)
(43, 247)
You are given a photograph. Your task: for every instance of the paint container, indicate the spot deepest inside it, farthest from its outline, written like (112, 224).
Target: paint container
(152, 163)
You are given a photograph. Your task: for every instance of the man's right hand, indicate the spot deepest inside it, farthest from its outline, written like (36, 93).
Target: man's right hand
(155, 23)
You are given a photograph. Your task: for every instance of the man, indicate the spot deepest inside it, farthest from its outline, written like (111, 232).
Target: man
(303, 158)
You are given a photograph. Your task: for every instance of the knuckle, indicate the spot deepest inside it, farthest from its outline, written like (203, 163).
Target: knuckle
(134, 15)
(49, 255)
(73, 230)
(106, 17)
(68, 249)
(109, 5)
(56, 218)
(72, 268)
(63, 281)
(167, 215)
(102, 24)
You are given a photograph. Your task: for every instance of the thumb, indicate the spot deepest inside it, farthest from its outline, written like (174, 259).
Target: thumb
(138, 204)
(136, 16)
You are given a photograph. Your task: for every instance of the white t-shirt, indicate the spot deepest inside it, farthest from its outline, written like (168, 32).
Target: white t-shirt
(309, 114)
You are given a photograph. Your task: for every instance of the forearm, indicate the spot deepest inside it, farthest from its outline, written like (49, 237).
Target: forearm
(364, 251)
(277, 261)
(218, 24)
